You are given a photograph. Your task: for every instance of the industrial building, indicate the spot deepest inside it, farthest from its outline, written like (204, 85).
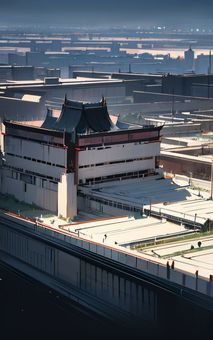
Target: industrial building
(182, 84)
(54, 88)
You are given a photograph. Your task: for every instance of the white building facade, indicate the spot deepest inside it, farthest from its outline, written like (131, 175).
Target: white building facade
(45, 166)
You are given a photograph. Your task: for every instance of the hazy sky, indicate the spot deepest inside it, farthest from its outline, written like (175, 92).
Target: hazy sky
(106, 11)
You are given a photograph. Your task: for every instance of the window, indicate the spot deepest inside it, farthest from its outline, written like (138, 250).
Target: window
(28, 178)
(14, 174)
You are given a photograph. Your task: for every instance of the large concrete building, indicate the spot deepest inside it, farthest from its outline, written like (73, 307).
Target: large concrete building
(182, 84)
(82, 147)
(54, 88)
(22, 106)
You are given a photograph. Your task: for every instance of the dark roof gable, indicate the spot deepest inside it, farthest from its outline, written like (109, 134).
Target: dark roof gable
(81, 117)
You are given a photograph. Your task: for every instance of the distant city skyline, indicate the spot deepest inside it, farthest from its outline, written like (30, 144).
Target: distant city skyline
(83, 12)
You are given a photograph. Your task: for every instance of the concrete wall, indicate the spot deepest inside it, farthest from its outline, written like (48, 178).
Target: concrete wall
(88, 283)
(46, 258)
(21, 110)
(181, 130)
(149, 97)
(203, 90)
(161, 107)
(186, 166)
(45, 197)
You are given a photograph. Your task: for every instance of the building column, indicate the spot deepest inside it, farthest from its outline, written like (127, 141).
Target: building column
(67, 196)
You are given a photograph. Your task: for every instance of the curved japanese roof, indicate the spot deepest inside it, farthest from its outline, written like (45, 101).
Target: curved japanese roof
(83, 117)
(49, 122)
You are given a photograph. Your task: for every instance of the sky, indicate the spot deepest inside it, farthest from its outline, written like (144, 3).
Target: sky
(109, 12)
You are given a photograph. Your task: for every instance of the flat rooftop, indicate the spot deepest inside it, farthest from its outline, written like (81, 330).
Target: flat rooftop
(99, 227)
(59, 82)
(185, 258)
(199, 208)
(127, 230)
(154, 189)
(194, 140)
(178, 155)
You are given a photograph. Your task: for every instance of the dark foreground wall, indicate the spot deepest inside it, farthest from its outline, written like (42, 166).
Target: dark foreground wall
(120, 298)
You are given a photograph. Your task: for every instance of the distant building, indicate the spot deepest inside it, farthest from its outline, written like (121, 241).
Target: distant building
(22, 106)
(183, 84)
(43, 72)
(16, 59)
(115, 49)
(5, 73)
(203, 64)
(23, 72)
(189, 60)
(47, 165)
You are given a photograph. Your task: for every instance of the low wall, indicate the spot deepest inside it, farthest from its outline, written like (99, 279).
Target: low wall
(184, 165)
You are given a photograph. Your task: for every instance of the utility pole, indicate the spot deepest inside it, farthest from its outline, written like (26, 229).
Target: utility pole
(173, 104)
(209, 72)
(211, 179)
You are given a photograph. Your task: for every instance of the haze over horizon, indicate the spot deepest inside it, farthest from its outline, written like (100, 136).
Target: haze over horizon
(94, 12)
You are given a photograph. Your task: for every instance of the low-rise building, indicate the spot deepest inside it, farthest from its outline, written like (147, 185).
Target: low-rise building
(82, 147)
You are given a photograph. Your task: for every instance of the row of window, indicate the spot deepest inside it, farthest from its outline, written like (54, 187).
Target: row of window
(115, 162)
(109, 147)
(35, 160)
(121, 176)
(29, 179)
(113, 204)
(53, 141)
(17, 173)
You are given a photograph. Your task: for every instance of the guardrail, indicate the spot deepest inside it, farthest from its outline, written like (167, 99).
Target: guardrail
(188, 220)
